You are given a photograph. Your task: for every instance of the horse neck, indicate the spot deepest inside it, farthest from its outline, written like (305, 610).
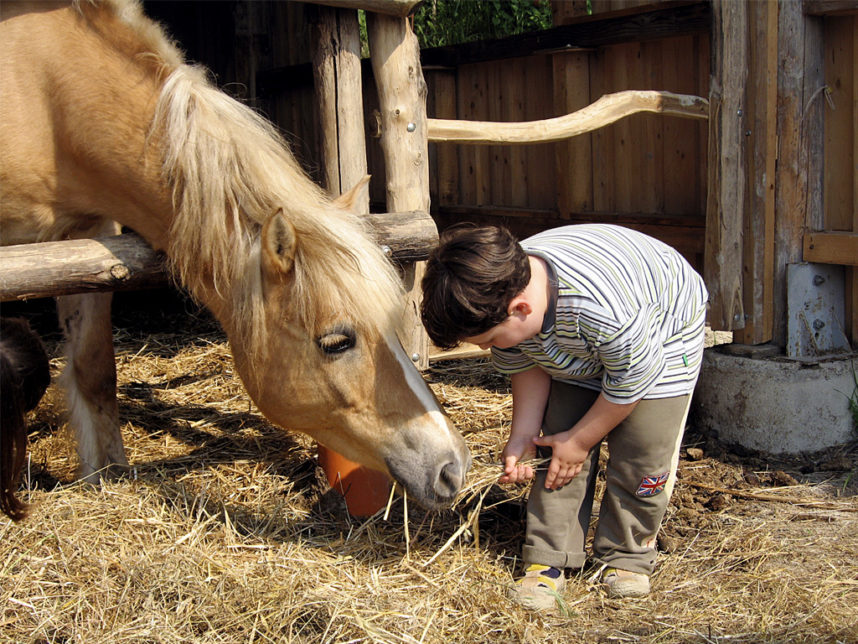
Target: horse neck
(108, 162)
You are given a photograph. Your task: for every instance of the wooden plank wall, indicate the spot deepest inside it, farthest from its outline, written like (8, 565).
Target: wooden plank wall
(840, 189)
(648, 172)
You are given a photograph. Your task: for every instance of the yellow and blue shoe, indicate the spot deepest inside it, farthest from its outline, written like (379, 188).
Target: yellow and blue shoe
(540, 588)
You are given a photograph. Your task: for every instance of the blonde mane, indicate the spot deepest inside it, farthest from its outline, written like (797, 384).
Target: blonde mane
(228, 170)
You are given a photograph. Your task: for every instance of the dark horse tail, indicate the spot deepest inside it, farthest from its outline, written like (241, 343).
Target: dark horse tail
(24, 377)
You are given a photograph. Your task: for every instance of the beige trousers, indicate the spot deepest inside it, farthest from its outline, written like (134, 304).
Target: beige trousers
(640, 475)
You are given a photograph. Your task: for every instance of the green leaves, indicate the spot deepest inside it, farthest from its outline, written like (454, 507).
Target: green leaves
(439, 23)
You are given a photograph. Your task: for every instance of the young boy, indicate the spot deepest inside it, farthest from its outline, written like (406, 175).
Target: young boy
(601, 330)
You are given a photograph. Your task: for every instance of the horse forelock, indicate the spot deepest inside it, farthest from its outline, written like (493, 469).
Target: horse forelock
(229, 170)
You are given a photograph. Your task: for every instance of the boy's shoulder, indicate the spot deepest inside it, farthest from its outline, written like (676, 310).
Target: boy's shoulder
(606, 232)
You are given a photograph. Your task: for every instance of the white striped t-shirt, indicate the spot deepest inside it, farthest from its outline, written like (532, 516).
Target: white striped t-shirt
(628, 316)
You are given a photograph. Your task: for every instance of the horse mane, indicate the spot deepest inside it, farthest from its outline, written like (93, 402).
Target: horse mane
(228, 170)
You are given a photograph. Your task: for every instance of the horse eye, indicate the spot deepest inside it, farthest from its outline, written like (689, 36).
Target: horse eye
(336, 342)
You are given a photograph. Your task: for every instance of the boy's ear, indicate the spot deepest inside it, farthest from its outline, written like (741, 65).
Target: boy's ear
(519, 305)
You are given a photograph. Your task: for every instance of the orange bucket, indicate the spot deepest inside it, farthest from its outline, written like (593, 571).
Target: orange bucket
(366, 491)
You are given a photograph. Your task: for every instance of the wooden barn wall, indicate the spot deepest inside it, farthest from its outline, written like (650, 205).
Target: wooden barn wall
(647, 171)
(840, 176)
(239, 41)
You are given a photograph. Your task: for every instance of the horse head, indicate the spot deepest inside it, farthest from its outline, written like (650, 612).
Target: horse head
(337, 372)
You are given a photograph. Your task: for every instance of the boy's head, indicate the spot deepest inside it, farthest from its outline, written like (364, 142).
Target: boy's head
(469, 282)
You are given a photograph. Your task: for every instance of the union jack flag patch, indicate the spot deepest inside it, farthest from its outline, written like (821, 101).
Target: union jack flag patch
(652, 485)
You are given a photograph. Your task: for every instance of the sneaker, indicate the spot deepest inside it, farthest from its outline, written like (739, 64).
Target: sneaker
(625, 583)
(540, 588)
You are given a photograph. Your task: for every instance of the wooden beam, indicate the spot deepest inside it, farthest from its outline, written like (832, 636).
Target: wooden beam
(852, 303)
(47, 269)
(608, 109)
(759, 224)
(800, 138)
(830, 7)
(402, 91)
(337, 78)
(831, 248)
(726, 202)
(399, 8)
(126, 262)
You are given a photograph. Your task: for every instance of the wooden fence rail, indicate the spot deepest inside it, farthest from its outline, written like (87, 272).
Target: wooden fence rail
(126, 262)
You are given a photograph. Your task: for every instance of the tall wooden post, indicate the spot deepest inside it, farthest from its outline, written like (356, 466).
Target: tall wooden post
(402, 92)
(799, 174)
(726, 201)
(337, 76)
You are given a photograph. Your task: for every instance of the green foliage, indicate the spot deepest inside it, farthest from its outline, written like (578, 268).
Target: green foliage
(438, 23)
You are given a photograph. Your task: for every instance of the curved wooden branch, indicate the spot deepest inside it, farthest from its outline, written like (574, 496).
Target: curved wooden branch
(606, 110)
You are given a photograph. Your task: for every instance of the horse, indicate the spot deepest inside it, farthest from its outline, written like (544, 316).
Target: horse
(102, 124)
(24, 377)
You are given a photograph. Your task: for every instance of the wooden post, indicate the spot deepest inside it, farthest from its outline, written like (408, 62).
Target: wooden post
(726, 200)
(402, 94)
(759, 233)
(798, 176)
(571, 93)
(337, 76)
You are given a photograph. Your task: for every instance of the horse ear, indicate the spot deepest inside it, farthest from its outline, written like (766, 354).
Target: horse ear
(278, 243)
(352, 199)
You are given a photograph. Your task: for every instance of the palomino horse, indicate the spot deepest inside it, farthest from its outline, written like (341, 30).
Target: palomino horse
(101, 120)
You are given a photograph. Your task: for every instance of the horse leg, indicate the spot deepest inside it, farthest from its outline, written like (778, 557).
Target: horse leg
(90, 382)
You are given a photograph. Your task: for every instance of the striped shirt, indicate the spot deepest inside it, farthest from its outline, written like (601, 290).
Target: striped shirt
(628, 315)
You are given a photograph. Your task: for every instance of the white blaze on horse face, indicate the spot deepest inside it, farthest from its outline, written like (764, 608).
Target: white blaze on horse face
(428, 433)
(416, 383)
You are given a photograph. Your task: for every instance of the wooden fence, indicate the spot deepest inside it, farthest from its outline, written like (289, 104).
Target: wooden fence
(796, 197)
(646, 171)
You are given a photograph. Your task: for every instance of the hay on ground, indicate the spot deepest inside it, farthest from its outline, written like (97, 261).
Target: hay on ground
(223, 531)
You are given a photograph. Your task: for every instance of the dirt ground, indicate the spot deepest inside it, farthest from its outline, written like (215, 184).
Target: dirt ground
(224, 531)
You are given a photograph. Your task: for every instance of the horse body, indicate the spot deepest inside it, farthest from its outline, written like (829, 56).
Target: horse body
(101, 121)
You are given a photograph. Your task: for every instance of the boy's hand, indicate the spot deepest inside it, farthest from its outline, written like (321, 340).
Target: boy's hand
(517, 449)
(567, 458)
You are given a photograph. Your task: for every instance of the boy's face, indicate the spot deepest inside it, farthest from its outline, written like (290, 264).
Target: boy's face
(522, 324)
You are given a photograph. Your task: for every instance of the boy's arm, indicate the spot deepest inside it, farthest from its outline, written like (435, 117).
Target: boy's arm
(569, 449)
(530, 391)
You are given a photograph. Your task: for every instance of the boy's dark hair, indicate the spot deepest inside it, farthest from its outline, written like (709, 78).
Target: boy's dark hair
(469, 282)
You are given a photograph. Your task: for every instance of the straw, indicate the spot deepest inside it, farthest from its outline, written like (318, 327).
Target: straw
(228, 532)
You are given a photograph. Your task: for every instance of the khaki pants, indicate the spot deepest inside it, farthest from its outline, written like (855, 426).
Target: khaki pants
(641, 471)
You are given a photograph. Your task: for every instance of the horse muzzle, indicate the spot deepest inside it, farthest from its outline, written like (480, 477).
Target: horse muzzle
(433, 480)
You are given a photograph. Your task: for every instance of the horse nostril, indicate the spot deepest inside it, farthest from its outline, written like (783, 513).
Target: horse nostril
(449, 480)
